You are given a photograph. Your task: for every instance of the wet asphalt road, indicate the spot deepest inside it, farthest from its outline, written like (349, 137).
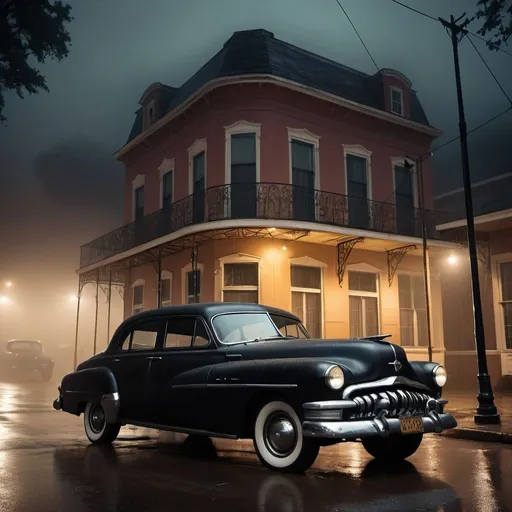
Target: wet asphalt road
(47, 465)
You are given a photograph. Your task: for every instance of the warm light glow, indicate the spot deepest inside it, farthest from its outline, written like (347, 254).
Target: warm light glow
(4, 299)
(271, 229)
(8, 284)
(452, 260)
(284, 247)
(73, 298)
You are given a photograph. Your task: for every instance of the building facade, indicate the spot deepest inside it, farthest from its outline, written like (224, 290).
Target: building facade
(493, 226)
(277, 176)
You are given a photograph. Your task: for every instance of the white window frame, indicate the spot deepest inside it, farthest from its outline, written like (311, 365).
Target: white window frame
(499, 318)
(165, 167)
(367, 269)
(240, 258)
(307, 261)
(197, 147)
(415, 319)
(166, 274)
(398, 161)
(239, 128)
(401, 92)
(139, 181)
(184, 281)
(135, 284)
(362, 152)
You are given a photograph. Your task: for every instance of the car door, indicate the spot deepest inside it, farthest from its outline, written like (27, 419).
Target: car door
(178, 376)
(130, 364)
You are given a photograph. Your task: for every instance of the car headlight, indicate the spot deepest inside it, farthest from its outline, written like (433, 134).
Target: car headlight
(334, 377)
(440, 376)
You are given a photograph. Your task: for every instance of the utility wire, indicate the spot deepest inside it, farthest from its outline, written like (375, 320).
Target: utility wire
(490, 70)
(437, 20)
(355, 30)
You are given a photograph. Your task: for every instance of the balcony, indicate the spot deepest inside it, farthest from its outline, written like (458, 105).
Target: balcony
(266, 201)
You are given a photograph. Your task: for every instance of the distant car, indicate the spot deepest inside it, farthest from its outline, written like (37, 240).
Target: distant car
(22, 357)
(225, 370)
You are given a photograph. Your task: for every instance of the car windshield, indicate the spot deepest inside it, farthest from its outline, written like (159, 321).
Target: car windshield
(24, 346)
(240, 327)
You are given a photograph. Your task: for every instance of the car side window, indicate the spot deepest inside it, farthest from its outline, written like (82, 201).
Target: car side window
(288, 327)
(144, 335)
(183, 332)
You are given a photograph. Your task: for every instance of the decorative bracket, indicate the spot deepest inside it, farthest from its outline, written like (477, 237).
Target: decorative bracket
(344, 249)
(483, 250)
(395, 256)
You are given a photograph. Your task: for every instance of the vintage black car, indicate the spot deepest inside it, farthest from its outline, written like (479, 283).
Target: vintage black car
(225, 370)
(26, 357)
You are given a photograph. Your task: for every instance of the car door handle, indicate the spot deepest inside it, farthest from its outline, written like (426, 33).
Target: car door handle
(116, 360)
(233, 356)
(154, 357)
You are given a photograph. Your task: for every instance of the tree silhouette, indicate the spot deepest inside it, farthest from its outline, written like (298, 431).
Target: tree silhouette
(30, 29)
(497, 21)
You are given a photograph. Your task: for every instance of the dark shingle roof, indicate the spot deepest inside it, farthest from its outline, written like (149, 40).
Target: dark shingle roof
(258, 51)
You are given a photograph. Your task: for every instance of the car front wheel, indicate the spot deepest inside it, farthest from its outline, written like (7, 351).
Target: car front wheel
(96, 428)
(392, 448)
(279, 442)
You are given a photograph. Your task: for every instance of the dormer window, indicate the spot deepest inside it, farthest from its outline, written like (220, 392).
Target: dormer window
(149, 114)
(397, 101)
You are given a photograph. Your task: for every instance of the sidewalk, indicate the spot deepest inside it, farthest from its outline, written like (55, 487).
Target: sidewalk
(463, 407)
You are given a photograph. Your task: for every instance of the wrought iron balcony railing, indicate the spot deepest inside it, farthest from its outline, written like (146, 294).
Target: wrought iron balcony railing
(266, 201)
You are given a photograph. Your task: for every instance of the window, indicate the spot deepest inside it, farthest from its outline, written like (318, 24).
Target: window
(289, 326)
(138, 298)
(144, 336)
(165, 291)
(506, 301)
(303, 180)
(139, 203)
(404, 200)
(151, 114)
(240, 282)
(198, 186)
(363, 304)
(186, 332)
(307, 297)
(357, 191)
(413, 310)
(397, 106)
(243, 175)
(167, 180)
(190, 286)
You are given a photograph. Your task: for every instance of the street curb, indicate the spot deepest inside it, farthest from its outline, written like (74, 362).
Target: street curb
(473, 434)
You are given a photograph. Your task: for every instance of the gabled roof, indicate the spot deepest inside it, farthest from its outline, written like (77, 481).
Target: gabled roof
(254, 52)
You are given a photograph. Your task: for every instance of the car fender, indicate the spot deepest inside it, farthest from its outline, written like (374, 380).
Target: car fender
(88, 385)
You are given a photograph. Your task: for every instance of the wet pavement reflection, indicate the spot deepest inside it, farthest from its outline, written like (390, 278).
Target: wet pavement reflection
(47, 465)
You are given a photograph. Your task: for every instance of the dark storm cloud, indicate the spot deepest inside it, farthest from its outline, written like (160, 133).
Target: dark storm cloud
(79, 175)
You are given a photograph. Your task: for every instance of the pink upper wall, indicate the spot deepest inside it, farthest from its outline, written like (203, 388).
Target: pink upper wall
(276, 109)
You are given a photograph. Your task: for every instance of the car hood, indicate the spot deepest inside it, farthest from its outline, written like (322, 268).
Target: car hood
(366, 360)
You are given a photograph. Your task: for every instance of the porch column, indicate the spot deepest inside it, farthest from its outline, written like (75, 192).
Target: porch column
(96, 311)
(159, 281)
(109, 298)
(79, 296)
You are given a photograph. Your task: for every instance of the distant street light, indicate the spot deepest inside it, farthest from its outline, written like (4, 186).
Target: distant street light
(8, 284)
(73, 298)
(4, 299)
(452, 260)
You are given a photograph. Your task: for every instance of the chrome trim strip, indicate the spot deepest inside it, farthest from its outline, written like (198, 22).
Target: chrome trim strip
(377, 427)
(234, 385)
(387, 381)
(330, 404)
(180, 430)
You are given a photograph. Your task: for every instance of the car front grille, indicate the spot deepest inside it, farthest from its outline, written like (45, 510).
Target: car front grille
(402, 402)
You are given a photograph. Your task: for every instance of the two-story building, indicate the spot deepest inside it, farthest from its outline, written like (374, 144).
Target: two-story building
(277, 176)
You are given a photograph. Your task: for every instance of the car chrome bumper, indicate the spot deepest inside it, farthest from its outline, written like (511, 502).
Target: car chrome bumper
(379, 426)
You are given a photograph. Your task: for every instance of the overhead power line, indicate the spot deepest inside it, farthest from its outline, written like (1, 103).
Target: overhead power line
(490, 70)
(357, 33)
(437, 20)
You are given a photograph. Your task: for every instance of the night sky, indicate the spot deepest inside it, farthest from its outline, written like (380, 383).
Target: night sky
(59, 184)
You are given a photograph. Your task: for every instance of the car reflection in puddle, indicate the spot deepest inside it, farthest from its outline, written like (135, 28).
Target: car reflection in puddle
(184, 477)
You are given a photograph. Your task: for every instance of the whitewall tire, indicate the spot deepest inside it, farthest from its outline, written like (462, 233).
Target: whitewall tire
(97, 429)
(278, 439)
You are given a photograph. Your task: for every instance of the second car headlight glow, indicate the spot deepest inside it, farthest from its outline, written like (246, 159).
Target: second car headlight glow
(440, 376)
(334, 377)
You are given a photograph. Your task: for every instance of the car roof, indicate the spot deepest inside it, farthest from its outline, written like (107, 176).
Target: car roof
(282, 312)
(24, 341)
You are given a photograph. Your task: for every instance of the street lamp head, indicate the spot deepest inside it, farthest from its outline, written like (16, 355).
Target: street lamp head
(452, 260)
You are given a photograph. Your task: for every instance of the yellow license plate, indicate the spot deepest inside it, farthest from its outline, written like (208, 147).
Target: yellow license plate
(411, 425)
